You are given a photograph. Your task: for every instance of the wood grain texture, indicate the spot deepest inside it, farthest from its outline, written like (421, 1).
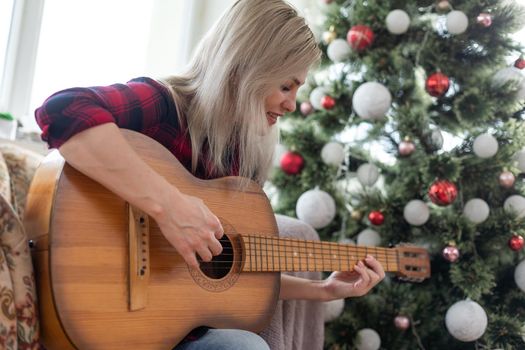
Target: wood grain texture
(87, 272)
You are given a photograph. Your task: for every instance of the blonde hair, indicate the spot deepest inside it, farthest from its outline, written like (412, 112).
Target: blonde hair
(252, 48)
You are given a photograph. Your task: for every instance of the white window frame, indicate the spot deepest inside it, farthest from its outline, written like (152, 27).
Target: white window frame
(21, 56)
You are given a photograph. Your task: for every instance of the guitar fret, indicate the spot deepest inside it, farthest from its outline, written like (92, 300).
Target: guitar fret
(266, 248)
(250, 243)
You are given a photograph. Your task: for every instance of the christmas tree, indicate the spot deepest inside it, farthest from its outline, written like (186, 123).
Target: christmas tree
(412, 126)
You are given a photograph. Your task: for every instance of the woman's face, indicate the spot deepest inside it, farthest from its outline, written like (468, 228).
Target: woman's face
(281, 99)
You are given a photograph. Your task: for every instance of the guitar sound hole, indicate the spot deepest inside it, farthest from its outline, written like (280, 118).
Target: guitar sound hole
(221, 264)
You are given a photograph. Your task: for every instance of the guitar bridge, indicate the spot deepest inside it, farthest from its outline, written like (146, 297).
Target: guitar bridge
(139, 271)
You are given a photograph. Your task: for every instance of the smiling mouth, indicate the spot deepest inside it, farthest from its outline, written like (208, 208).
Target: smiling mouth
(272, 117)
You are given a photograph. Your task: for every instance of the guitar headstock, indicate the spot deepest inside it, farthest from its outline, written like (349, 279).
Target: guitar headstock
(414, 263)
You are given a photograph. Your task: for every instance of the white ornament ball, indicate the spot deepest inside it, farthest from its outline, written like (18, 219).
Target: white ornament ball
(515, 204)
(416, 212)
(333, 153)
(485, 146)
(333, 309)
(371, 100)
(338, 50)
(367, 339)
(280, 150)
(368, 237)
(519, 275)
(520, 159)
(316, 96)
(457, 22)
(476, 210)
(397, 22)
(316, 208)
(510, 75)
(466, 320)
(367, 174)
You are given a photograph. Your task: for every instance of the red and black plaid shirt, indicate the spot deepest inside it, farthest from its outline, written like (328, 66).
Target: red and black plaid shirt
(143, 105)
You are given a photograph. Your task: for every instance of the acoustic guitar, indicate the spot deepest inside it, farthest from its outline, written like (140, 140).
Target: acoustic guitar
(108, 279)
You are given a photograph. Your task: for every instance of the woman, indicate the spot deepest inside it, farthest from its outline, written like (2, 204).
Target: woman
(218, 118)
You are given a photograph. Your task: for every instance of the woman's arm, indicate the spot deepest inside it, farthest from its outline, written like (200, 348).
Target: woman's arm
(103, 154)
(339, 285)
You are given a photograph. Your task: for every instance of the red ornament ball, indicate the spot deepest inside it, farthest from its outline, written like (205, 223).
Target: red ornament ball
(406, 148)
(442, 192)
(292, 163)
(450, 253)
(401, 322)
(360, 37)
(485, 19)
(437, 84)
(516, 242)
(376, 217)
(520, 63)
(327, 102)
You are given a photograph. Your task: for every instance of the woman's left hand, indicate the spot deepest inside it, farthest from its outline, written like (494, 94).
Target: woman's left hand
(354, 283)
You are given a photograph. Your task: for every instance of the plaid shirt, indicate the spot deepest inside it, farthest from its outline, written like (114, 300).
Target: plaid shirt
(143, 105)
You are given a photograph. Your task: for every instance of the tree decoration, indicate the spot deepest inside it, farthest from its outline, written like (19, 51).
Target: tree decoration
(371, 100)
(306, 108)
(443, 192)
(397, 22)
(485, 146)
(333, 309)
(367, 339)
(515, 204)
(406, 148)
(520, 63)
(437, 84)
(506, 179)
(516, 242)
(510, 75)
(456, 22)
(466, 320)
(376, 217)
(360, 37)
(330, 35)
(356, 215)
(368, 237)
(401, 322)
(520, 159)
(450, 253)
(327, 102)
(442, 6)
(292, 163)
(484, 19)
(338, 50)
(316, 208)
(316, 95)
(519, 275)
(333, 153)
(367, 174)
(416, 212)
(476, 210)
(434, 139)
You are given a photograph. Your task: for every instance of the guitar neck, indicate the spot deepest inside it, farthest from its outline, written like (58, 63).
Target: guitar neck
(269, 253)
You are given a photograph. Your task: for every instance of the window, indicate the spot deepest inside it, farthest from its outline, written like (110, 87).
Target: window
(6, 13)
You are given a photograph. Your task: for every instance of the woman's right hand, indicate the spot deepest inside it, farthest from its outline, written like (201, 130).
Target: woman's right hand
(190, 227)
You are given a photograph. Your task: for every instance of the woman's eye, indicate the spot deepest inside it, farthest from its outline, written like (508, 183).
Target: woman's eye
(286, 88)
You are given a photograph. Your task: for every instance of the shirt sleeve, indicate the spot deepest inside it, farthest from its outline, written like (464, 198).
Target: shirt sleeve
(138, 105)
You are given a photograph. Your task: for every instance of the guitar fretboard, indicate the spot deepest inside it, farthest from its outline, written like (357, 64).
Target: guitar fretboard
(267, 253)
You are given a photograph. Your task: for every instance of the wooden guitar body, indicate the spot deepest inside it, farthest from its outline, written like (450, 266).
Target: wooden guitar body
(81, 253)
